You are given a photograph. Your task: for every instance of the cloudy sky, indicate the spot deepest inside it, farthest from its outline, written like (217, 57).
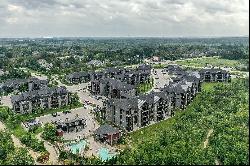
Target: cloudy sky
(169, 18)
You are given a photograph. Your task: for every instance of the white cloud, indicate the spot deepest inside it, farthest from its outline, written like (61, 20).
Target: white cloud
(124, 17)
(15, 8)
(11, 20)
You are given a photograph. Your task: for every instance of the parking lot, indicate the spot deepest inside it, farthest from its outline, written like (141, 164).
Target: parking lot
(91, 124)
(83, 93)
(6, 101)
(160, 79)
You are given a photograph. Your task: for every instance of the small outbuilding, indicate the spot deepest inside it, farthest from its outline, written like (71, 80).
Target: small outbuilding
(59, 132)
(107, 133)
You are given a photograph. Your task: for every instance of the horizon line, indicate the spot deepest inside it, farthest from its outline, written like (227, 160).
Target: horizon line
(51, 37)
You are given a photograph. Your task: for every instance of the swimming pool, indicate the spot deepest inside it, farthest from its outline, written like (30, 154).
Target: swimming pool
(74, 147)
(104, 154)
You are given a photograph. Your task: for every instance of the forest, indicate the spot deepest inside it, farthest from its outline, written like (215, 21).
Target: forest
(10, 155)
(213, 129)
(68, 55)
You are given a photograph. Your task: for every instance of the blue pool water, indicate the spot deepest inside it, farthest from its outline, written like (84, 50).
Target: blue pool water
(104, 154)
(74, 147)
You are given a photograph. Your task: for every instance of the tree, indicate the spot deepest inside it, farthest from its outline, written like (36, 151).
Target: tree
(74, 99)
(49, 132)
(19, 157)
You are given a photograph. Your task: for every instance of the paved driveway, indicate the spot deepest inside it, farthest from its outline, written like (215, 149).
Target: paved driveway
(6, 101)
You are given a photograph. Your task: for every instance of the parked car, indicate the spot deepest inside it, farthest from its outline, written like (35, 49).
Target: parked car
(66, 111)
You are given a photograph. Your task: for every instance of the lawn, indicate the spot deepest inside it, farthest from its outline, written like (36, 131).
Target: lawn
(208, 86)
(158, 66)
(152, 131)
(145, 87)
(206, 61)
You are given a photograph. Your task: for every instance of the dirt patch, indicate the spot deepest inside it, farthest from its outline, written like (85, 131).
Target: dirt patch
(208, 135)
(2, 126)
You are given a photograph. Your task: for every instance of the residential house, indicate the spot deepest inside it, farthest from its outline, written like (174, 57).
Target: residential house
(156, 59)
(94, 63)
(43, 63)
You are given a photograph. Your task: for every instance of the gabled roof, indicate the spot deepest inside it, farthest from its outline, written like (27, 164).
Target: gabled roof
(173, 67)
(138, 101)
(15, 82)
(144, 67)
(212, 70)
(113, 70)
(38, 93)
(117, 84)
(78, 75)
(106, 129)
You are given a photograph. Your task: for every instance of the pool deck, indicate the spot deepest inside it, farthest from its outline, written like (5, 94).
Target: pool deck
(94, 147)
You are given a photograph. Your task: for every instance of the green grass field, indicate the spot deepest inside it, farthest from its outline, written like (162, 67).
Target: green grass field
(205, 61)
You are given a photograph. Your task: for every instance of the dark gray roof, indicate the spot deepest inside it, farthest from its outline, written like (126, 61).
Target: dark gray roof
(174, 88)
(78, 75)
(117, 84)
(106, 129)
(15, 82)
(135, 102)
(173, 67)
(144, 67)
(39, 93)
(125, 104)
(113, 70)
(212, 70)
(67, 122)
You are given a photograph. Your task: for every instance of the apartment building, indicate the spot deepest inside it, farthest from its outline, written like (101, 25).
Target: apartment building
(31, 83)
(139, 111)
(215, 75)
(45, 98)
(112, 88)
